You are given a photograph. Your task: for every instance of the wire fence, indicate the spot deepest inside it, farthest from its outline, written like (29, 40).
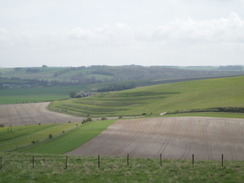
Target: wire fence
(66, 162)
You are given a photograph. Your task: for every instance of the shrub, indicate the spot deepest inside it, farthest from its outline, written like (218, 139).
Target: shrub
(1, 125)
(120, 117)
(88, 119)
(50, 136)
(103, 118)
(83, 121)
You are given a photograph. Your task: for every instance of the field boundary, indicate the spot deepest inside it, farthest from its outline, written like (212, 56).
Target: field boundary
(97, 161)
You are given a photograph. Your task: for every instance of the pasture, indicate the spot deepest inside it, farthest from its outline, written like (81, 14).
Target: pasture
(18, 167)
(37, 94)
(156, 99)
(56, 138)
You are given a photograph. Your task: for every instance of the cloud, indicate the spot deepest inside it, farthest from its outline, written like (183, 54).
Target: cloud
(5, 38)
(118, 34)
(185, 39)
(189, 31)
(3, 34)
(79, 34)
(179, 32)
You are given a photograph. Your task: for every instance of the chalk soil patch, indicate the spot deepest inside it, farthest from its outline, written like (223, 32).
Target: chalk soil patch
(175, 138)
(32, 113)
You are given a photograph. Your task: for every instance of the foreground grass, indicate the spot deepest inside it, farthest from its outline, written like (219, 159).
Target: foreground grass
(190, 95)
(36, 139)
(18, 167)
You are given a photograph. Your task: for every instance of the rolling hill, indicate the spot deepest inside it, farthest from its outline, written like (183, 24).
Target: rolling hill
(190, 95)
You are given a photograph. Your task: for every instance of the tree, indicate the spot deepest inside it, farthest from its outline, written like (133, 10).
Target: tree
(72, 94)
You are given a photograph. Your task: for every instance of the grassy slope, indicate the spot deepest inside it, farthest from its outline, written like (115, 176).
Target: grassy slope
(50, 168)
(221, 92)
(71, 140)
(24, 135)
(66, 137)
(39, 94)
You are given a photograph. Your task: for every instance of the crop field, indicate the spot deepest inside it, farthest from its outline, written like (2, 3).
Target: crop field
(32, 114)
(153, 100)
(176, 138)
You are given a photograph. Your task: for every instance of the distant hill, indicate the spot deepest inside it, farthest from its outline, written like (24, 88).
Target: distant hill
(220, 94)
(111, 77)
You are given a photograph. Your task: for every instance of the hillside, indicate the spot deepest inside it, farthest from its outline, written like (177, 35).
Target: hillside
(138, 75)
(156, 99)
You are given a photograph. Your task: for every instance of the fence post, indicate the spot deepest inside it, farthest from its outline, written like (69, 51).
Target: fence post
(33, 161)
(160, 159)
(192, 159)
(128, 159)
(1, 162)
(222, 160)
(98, 161)
(66, 163)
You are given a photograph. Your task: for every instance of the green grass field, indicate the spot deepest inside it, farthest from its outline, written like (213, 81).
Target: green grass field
(199, 94)
(35, 139)
(38, 94)
(18, 167)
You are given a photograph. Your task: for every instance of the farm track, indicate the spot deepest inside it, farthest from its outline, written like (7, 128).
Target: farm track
(32, 114)
(176, 138)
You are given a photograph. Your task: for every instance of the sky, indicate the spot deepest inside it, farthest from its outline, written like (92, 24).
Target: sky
(114, 32)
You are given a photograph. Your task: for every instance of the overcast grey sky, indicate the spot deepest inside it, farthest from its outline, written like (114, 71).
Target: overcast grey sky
(115, 32)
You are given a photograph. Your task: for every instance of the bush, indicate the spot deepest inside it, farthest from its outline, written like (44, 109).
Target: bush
(120, 117)
(50, 136)
(103, 118)
(214, 109)
(88, 119)
(83, 121)
(1, 125)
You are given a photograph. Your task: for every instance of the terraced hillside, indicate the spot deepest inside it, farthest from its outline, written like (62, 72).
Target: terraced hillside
(190, 95)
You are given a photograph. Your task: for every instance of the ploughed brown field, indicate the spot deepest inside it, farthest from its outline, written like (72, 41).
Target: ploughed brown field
(31, 114)
(176, 138)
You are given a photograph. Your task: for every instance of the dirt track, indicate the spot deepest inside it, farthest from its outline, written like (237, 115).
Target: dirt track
(175, 138)
(32, 113)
